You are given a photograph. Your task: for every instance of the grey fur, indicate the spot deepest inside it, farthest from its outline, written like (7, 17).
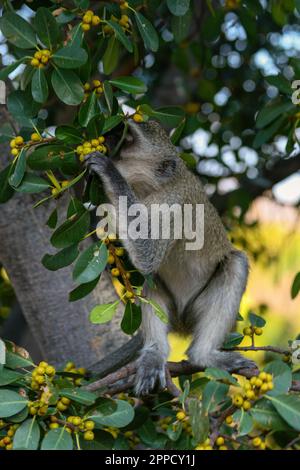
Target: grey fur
(200, 290)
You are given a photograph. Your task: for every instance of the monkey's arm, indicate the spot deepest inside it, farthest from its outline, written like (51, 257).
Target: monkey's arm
(146, 254)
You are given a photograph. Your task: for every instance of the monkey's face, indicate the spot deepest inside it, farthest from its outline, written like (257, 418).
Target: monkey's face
(146, 141)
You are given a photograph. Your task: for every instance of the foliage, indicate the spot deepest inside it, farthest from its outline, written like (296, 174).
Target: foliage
(88, 64)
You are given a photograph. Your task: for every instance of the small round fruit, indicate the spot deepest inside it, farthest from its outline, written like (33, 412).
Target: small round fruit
(111, 259)
(50, 370)
(35, 137)
(258, 331)
(120, 251)
(229, 419)
(223, 448)
(19, 140)
(35, 62)
(40, 370)
(115, 272)
(264, 388)
(87, 19)
(77, 420)
(258, 383)
(14, 152)
(88, 436)
(61, 407)
(246, 405)
(89, 425)
(85, 27)
(270, 385)
(262, 376)
(12, 143)
(129, 295)
(101, 139)
(95, 20)
(53, 425)
(256, 441)
(137, 117)
(180, 415)
(247, 331)
(220, 441)
(65, 400)
(250, 394)
(55, 192)
(238, 400)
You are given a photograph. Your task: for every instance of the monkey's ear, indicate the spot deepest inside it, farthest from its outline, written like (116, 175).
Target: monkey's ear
(166, 167)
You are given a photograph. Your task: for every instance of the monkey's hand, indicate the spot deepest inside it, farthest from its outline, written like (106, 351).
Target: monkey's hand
(150, 372)
(97, 162)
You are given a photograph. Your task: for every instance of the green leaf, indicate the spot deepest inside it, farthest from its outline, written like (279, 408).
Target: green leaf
(244, 422)
(147, 31)
(53, 218)
(46, 27)
(21, 105)
(110, 123)
(159, 312)
(27, 436)
(109, 96)
(132, 318)
(6, 191)
(103, 313)
(69, 134)
(280, 82)
(11, 403)
(219, 374)
(57, 439)
(256, 320)
(233, 339)
(170, 116)
(264, 135)
(111, 55)
(214, 394)
(17, 31)
(39, 86)
(103, 441)
(32, 183)
(296, 286)
(121, 35)
(282, 377)
(83, 290)
(123, 415)
(15, 361)
(8, 376)
(178, 7)
(181, 26)
(91, 263)
(10, 68)
(288, 406)
(88, 110)
(19, 171)
(70, 57)
(79, 396)
(67, 86)
(72, 230)
(199, 421)
(51, 157)
(178, 131)
(61, 259)
(267, 417)
(129, 84)
(269, 113)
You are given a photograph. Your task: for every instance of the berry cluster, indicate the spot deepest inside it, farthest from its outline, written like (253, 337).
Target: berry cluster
(89, 19)
(232, 4)
(96, 87)
(57, 189)
(123, 22)
(70, 367)
(206, 445)
(124, 5)
(258, 443)
(41, 58)
(17, 143)
(41, 375)
(119, 270)
(90, 146)
(6, 442)
(252, 330)
(253, 389)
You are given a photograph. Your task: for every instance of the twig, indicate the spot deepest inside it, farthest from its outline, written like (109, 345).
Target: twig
(292, 442)
(260, 348)
(110, 379)
(170, 384)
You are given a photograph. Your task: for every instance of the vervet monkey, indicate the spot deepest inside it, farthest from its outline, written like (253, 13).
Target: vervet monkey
(200, 290)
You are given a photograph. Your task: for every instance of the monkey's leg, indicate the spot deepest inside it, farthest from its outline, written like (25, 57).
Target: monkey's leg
(214, 314)
(154, 354)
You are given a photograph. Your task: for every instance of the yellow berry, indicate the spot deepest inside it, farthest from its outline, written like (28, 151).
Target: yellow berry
(40, 379)
(40, 370)
(45, 60)
(270, 385)
(258, 331)
(13, 143)
(35, 137)
(32, 410)
(43, 410)
(96, 83)
(53, 425)
(258, 383)
(65, 183)
(46, 53)
(223, 448)
(229, 419)
(65, 400)
(99, 90)
(69, 430)
(43, 364)
(87, 18)
(35, 62)
(85, 27)
(262, 446)
(262, 376)
(269, 378)
(94, 142)
(120, 251)
(101, 139)
(256, 441)
(115, 272)
(76, 420)
(180, 415)
(250, 394)
(19, 140)
(14, 152)
(10, 433)
(246, 405)
(238, 400)
(247, 331)
(264, 387)
(55, 192)
(220, 441)
(50, 370)
(95, 20)
(129, 295)
(60, 406)
(111, 259)
(89, 425)
(137, 117)
(38, 55)
(88, 436)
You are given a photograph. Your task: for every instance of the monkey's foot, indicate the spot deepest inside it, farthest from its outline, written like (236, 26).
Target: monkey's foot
(150, 372)
(229, 361)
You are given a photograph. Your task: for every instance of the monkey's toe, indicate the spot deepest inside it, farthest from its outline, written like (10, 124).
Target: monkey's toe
(149, 376)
